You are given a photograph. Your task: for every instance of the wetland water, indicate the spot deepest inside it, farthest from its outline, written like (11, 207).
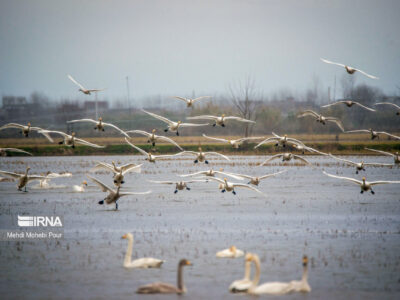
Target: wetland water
(352, 239)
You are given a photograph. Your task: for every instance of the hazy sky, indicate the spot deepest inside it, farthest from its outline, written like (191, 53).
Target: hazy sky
(175, 47)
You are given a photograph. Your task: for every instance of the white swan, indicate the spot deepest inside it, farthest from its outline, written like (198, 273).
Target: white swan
(80, 188)
(242, 285)
(226, 186)
(23, 179)
(231, 252)
(255, 180)
(279, 141)
(212, 173)
(113, 195)
(99, 125)
(274, 288)
(153, 138)
(179, 185)
(392, 104)
(321, 119)
(350, 70)
(151, 157)
(364, 185)
(70, 140)
(82, 89)
(234, 143)
(45, 183)
(25, 130)
(220, 120)
(144, 263)
(396, 155)
(166, 288)
(173, 126)
(4, 151)
(189, 101)
(286, 157)
(201, 156)
(304, 148)
(349, 103)
(302, 285)
(374, 134)
(360, 166)
(120, 171)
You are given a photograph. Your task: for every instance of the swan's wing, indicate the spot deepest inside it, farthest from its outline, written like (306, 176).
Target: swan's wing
(382, 152)
(366, 74)
(161, 182)
(389, 134)
(271, 158)
(76, 82)
(58, 175)
(161, 118)
(132, 168)
(295, 141)
(271, 175)
(378, 165)
(169, 155)
(270, 139)
(139, 132)
(204, 117)
(308, 113)
(46, 135)
(197, 180)
(315, 150)
(55, 132)
(342, 159)
(12, 174)
(116, 128)
(302, 159)
(388, 103)
(96, 90)
(194, 174)
(334, 103)
(83, 120)
(199, 98)
(180, 98)
(137, 148)
(219, 154)
(358, 130)
(239, 119)
(128, 166)
(250, 138)
(167, 139)
(275, 135)
(15, 150)
(190, 152)
(103, 165)
(35, 177)
(134, 193)
(214, 138)
(12, 125)
(363, 106)
(102, 186)
(332, 63)
(246, 186)
(83, 142)
(233, 175)
(216, 179)
(345, 178)
(382, 182)
(335, 120)
(192, 124)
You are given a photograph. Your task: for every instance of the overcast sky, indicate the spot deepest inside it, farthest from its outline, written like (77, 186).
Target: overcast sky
(175, 47)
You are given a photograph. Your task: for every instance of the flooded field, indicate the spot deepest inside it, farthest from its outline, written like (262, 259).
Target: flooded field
(352, 239)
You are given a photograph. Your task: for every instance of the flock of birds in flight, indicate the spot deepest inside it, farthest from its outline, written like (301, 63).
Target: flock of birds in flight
(246, 284)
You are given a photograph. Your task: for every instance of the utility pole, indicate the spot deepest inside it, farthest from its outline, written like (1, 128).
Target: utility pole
(334, 89)
(127, 90)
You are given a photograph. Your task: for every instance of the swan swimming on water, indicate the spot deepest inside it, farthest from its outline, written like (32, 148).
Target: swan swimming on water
(242, 285)
(144, 263)
(231, 252)
(166, 288)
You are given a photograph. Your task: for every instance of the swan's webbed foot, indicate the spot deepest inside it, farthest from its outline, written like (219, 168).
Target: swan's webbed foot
(223, 125)
(175, 191)
(177, 133)
(372, 192)
(223, 191)
(276, 145)
(196, 161)
(361, 192)
(188, 188)
(154, 144)
(357, 172)
(165, 130)
(73, 146)
(206, 162)
(214, 125)
(116, 206)
(233, 192)
(122, 182)
(95, 128)
(101, 202)
(102, 129)
(60, 143)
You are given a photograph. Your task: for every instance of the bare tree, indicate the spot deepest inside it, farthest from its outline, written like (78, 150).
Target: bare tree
(246, 99)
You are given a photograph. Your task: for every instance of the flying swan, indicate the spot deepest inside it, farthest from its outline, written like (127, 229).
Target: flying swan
(82, 89)
(99, 125)
(153, 138)
(349, 103)
(349, 69)
(219, 120)
(321, 119)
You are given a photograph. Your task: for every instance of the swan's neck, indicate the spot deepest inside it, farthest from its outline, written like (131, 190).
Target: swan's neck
(128, 255)
(181, 286)
(256, 278)
(304, 277)
(247, 268)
